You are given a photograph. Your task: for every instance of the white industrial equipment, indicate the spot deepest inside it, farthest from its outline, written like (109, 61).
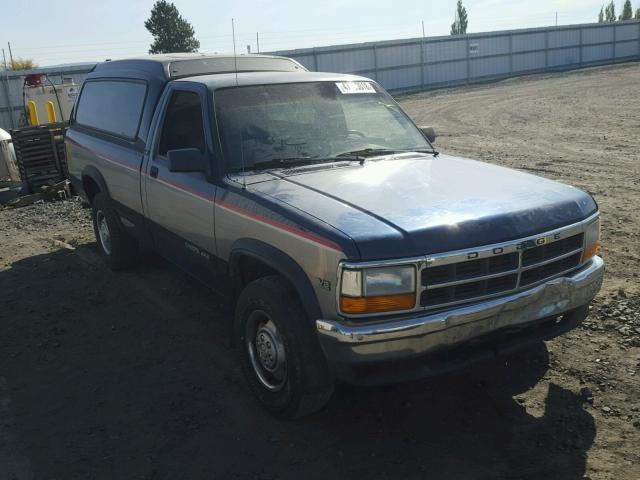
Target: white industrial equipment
(8, 164)
(46, 102)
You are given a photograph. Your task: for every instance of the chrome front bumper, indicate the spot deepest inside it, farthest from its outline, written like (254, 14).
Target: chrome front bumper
(417, 335)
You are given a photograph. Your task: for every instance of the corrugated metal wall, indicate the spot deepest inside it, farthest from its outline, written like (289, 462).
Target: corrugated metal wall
(432, 62)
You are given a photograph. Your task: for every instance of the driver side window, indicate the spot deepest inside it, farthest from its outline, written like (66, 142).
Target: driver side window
(182, 126)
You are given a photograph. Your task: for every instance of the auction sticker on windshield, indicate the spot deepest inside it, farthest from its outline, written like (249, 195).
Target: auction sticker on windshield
(355, 87)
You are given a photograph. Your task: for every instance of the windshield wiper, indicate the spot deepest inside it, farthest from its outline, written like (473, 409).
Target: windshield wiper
(296, 161)
(354, 156)
(366, 151)
(281, 162)
(430, 151)
(372, 152)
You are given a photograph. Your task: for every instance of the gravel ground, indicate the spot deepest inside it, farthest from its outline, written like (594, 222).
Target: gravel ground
(129, 375)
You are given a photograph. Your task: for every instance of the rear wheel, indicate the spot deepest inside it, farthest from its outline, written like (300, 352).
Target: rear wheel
(117, 247)
(280, 355)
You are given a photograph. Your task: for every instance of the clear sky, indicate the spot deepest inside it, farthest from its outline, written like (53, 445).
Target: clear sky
(88, 30)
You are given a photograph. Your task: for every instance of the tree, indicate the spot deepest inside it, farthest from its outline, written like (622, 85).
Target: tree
(601, 15)
(459, 26)
(638, 14)
(610, 12)
(171, 33)
(22, 64)
(627, 11)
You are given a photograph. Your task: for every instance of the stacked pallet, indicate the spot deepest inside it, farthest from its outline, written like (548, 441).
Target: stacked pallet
(40, 154)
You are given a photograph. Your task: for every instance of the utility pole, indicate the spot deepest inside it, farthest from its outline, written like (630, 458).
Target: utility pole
(422, 28)
(257, 43)
(6, 90)
(11, 56)
(556, 19)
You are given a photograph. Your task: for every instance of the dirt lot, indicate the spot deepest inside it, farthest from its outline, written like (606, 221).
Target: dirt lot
(130, 375)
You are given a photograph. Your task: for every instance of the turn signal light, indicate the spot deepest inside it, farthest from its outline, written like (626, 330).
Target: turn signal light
(591, 251)
(378, 304)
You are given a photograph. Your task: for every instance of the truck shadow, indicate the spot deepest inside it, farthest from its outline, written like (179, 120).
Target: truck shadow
(130, 375)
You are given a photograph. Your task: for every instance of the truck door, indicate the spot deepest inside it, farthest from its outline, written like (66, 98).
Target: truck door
(179, 205)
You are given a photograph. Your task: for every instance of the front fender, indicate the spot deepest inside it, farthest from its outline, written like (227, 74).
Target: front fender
(281, 263)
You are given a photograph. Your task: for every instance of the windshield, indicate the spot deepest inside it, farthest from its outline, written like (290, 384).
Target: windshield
(264, 124)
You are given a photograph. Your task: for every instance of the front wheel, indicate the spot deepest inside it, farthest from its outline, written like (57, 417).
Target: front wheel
(280, 355)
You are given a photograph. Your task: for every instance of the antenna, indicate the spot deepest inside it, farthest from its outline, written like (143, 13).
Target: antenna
(235, 65)
(235, 56)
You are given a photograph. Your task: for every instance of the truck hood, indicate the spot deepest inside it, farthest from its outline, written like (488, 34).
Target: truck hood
(414, 204)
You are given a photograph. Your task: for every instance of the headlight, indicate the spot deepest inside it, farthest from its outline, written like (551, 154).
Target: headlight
(591, 240)
(378, 290)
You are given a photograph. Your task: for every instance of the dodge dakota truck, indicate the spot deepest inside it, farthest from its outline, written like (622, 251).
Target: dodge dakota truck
(353, 249)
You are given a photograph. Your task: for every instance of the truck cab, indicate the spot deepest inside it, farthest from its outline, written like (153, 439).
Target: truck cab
(353, 249)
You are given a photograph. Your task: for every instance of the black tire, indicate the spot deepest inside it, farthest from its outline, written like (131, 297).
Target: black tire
(121, 250)
(306, 384)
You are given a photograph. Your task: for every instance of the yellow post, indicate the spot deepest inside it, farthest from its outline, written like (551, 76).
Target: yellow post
(51, 112)
(33, 113)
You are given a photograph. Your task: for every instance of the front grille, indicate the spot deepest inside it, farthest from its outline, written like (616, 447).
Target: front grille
(469, 279)
(466, 291)
(545, 252)
(549, 270)
(470, 269)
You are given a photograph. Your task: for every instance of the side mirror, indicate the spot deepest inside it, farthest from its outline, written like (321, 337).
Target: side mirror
(187, 160)
(430, 133)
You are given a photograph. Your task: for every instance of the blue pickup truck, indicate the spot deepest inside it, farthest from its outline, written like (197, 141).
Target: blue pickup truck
(353, 249)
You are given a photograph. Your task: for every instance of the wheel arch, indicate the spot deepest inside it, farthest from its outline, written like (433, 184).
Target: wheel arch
(93, 182)
(278, 262)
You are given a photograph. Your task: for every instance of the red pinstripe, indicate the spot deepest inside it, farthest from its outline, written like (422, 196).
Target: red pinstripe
(239, 210)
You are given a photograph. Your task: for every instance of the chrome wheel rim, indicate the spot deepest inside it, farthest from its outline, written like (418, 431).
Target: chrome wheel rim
(103, 232)
(266, 351)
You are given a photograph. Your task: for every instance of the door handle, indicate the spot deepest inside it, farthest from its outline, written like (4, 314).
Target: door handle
(153, 171)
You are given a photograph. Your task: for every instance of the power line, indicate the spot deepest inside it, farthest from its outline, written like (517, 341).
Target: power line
(278, 34)
(283, 39)
(228, 36)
